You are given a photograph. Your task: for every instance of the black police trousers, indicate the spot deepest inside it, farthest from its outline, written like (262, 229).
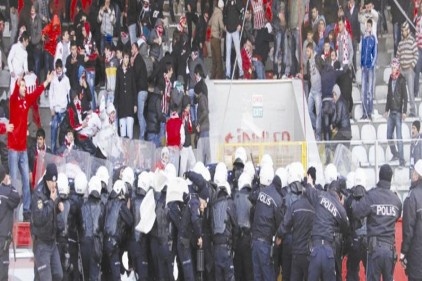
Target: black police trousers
(243, 259)
(47, 261)
(380, 263)
(357, 253)
(163, 259)
(91, 267)
(138, 250)
(4, 260)
(224, 269)
(300, 265)
(322, 263)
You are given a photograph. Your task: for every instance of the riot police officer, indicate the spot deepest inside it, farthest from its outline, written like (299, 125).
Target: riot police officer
(139, 242)
(330, 218)
(240, 158)
(63, 226)
(44, 206)
(104, 176)
(243, 257)
(9, 201)
(267, 218)
(411, 247)
(382, 208)
(358, 240)
(118, 219)
(224, 228)
(290, 193)
(93, 214)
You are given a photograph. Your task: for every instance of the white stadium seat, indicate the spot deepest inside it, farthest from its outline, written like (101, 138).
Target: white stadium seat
(387, 73)
(356, 95)
(359, 156)
(376, 154)
(368, 133)
(381, 92)
(382, 131)
(370, 178)
(358, 112)
(355, 132)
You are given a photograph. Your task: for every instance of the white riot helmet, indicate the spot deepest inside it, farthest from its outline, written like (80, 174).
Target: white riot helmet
(94, 185)
(350, 180)
(170, 171)
(330, 173)
(119, 187)
(282, 174)
(220, 175)
(128, 176)
(200, 168)
(266, 160)
(244, 181)
(81, 183)
(295, 172)
(63, 185)
(266, 175)
(249, 169)
(144, 181)
(240, 156)
(103, 174)
(360, 177)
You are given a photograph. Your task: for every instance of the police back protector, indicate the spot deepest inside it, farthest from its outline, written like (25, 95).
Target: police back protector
(219, 216)
(112, 218)
(243, 209)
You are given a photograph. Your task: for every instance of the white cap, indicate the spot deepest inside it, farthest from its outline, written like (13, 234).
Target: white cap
(220, 175)
(249, 169)
(266, 159)
(240, 153)
(244, 180)
(119, 187)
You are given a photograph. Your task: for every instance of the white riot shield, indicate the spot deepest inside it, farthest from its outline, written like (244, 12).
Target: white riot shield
(148, 215)
(175, 189)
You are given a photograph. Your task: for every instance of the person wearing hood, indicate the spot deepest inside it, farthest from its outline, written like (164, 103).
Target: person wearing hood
(138, 249)
(266, 219)
(341, 120)
(295, 230)
(382, 208)
(51, 35)
(395, 110)
(224, 227)
(244, 213)
(93, 214)
(411, 247)
(156, 39)
(329, 222)
(118, 222)
(357, 244)
(44, 209)
(217, 28)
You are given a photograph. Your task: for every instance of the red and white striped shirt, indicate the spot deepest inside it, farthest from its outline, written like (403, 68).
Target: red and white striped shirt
(165, 101)
(259, 20)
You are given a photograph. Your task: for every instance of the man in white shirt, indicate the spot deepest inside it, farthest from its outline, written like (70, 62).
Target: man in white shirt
(17, 60)
(63, 48)
(59, 91)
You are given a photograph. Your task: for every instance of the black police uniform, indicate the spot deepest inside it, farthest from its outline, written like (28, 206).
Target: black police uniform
(74, 221)
(139, 243)
(9, 200)
(243, 258)
(118, 219)
(161, 241)
(206, 189)
(91, 239)
(411, 245)
(290, 194)
(43, 229)
(357, 245)
(298, 222)
(382, 208)
(224, 229)
(267, 218)
(330, 218)
(62, 239)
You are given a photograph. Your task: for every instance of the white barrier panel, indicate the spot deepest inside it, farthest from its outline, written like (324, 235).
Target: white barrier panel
(257, 111)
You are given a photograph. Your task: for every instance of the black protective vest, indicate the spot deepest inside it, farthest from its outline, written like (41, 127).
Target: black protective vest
(219, 216)
(243, 209)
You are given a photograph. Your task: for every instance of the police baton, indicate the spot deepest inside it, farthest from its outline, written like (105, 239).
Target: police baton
(14, 249)
(200, 262)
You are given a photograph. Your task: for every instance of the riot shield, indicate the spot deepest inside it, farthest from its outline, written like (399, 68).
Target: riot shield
(148, 215)
(94, 164)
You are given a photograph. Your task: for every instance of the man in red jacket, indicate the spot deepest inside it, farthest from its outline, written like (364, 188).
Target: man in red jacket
(175, 136)
(20, 103)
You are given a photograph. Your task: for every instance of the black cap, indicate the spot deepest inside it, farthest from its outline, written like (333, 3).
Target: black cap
(417, 124)
(2, 172)
(312, 173)
(386, 173)
(51, 172)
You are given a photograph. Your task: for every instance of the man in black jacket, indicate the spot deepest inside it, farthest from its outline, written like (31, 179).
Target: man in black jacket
(9, 201)
(154, 116)
(44, 207)
(141, 81)
(395, 109)
(341, 121)
(351, 11)
(411, 247)
(232, 15)
(382, 208)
